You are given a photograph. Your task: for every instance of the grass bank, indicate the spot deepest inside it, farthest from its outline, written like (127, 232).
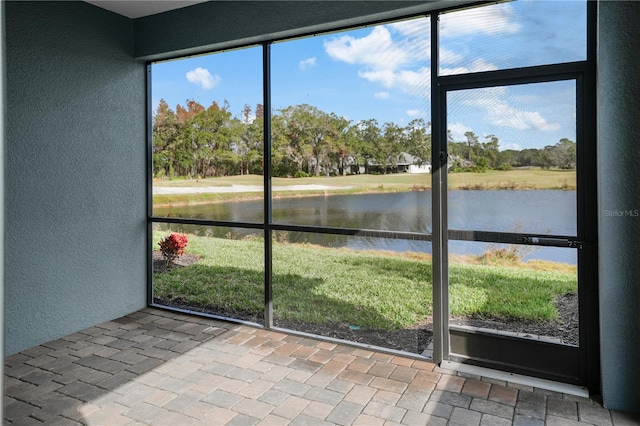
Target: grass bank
(526, 179)
(372, 290)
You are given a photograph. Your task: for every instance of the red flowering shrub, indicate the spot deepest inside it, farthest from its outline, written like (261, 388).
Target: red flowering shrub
(173, 246)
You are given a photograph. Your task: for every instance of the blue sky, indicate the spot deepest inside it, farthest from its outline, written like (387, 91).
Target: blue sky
(383, 72)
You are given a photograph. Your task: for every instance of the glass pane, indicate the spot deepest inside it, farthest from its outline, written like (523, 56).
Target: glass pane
(397, 211)
(512, 35)
(514, 290)
(351, 121)
(512, 158)
(221, 271)
(373, 291)
(208, 136)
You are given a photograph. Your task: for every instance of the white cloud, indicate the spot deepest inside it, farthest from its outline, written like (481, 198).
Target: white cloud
(500, 113)
(458, 130)
(496, 104)
(203, 78)
(412, 27)
(376, 50)
(305, 64)
(482, 65)
(392, 63)
(385, 77)
(476, 66)
(454, 71)
(489, 20)
(381, 95)
(513, 146)
(448, 57)
(414, 113)
(526, 120)
(416, 83)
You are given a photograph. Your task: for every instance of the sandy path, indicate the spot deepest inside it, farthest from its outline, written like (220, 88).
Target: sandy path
(238, 188)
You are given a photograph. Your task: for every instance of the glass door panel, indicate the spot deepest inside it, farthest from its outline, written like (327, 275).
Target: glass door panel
(351, 181)
(511, 35)
(220, 272)
(492, 289)
(207, 150)
(512, 222)
(351, 137)
(370, 290)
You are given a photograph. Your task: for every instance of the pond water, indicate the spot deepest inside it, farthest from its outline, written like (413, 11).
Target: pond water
(545, 212)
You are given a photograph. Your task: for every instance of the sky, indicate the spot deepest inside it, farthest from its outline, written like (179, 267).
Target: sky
(383, 72)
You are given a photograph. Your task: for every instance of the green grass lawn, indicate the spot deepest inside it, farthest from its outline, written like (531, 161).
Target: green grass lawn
(372, 290)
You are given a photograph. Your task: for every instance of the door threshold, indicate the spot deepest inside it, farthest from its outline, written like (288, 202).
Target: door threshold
(517, 378)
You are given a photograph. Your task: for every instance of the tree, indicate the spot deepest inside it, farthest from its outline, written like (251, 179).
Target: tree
(472, 141)
(249, 146)
(418, 140)
(566, 153)
(311, 137)
(202, 142)
(165, 130)
(338, 142)
(458, 149)
(209, 136)
(390, 146)
(282, 164)
(547, 159)
(317, 134)
(508, 157)
(367, 141)
(193, 108)
(529, 157)
(490, 151)
(290, 128)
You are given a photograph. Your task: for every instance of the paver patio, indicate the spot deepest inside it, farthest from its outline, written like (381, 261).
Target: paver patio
(164, 368)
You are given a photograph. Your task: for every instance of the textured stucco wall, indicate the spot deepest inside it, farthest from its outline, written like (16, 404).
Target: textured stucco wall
(75, 171)
(1, 195)
(214, 25)
(619, 200)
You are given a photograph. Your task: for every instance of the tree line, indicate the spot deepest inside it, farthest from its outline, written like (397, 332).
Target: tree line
(476, 155)
(198, 142)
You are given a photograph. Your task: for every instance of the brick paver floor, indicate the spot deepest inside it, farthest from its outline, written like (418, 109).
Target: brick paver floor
(163, 368)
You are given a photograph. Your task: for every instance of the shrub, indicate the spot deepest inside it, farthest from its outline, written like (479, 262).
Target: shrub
(301, 174)
(476, 168)
(173, 246)
(474, 186)
(501, 256)
(509, 185)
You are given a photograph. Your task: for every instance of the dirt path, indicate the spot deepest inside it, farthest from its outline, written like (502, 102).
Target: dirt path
(159, 190)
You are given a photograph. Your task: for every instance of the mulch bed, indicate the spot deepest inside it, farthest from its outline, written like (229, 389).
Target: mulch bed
(411, 340)
(160, 265)
(566, 330)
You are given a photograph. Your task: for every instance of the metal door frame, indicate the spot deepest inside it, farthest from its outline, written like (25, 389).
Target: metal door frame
(575, 365)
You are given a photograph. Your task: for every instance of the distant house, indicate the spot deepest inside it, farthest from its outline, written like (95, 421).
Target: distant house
(423, 168)
(406, 163)
(458, 161)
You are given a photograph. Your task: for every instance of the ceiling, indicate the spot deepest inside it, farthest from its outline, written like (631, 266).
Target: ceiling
(139, 8)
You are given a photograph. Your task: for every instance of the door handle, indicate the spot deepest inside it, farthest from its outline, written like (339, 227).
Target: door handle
(550, 241)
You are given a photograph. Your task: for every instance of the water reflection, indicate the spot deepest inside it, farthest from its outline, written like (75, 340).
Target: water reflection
(536, 211)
